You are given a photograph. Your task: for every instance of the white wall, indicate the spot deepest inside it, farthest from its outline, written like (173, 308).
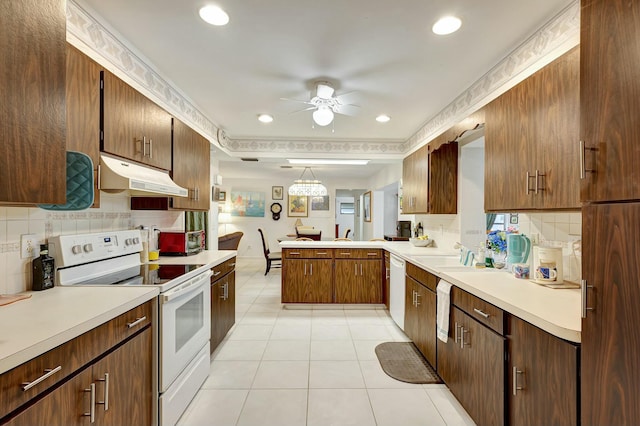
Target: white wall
(345, 221)
(473, 221)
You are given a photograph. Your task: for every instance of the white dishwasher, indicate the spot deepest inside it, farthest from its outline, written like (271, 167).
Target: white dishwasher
(397, 290)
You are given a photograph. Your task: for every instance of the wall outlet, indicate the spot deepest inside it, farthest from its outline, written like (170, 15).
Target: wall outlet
(535, 239)
(28, 246)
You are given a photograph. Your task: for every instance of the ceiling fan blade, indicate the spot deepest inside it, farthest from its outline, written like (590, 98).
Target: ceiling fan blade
(348, 109)
(301, 110)
(348, 98)
(296, 100)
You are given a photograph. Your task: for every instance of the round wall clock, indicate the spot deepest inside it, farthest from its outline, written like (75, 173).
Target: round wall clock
(276, 208)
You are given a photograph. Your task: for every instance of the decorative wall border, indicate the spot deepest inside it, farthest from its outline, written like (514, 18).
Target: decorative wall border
(554, 38)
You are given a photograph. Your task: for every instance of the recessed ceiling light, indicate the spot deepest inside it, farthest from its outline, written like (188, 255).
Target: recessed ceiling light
(446, 25)
(265, 118)
(383, 118)
(318, 161)
(214, 15)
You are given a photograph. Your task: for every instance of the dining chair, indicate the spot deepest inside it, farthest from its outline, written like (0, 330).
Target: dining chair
(269, 256)
(346, 233)
(303, 239)
(314, 234)
(342, 239)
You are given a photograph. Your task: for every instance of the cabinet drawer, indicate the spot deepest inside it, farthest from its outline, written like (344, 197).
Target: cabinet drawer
(423, 277)
(223, 269)
(358, 254)
(484, 312)
(67, 358)
(318, 253)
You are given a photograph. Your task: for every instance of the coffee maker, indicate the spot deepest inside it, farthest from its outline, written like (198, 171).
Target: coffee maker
(403, 228)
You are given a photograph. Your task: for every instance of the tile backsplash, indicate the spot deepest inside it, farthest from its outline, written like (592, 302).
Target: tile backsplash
(114, 214)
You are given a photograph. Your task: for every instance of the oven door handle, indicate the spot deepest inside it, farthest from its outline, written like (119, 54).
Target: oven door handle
(190, 286)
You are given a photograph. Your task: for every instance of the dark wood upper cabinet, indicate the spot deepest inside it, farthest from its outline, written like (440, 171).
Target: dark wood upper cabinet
(610, 99)
(134, 127)
(191, 158)
(32, 110)
(415, 182)
(610, 371)
(531, 141)
(83, 109)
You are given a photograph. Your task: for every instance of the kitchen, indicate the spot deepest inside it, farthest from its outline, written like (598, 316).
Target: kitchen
(115, 213)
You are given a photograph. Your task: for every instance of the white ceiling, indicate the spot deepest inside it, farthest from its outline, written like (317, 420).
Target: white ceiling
(382, 51)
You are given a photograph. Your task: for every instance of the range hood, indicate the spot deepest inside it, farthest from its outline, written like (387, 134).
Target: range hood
(117, 175)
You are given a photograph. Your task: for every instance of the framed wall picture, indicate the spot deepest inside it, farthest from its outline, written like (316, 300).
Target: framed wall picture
(297, 206)
(247, 203)
(366, 206)
(320, 202)
(222, 195)
(276, 192)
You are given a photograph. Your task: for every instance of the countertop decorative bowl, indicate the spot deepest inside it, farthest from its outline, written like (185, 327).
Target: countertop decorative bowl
(420, 243)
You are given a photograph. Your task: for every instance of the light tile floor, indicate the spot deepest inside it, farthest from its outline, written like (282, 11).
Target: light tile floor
(313, 367)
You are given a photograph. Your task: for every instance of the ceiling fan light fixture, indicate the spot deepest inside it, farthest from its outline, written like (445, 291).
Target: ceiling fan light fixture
(383, 118)
(323, 116)
(324, 90)
(446, 25)
(214, 15)
(265, 118)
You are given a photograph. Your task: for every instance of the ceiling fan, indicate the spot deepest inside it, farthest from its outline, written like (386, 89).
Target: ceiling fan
(324, 104)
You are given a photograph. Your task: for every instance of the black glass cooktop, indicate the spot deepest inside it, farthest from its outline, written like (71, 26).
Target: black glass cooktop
(147, 274)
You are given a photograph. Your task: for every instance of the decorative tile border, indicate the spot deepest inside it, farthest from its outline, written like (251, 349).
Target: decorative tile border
(563, 30)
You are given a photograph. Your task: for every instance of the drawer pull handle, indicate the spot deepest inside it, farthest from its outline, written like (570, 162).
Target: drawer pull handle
(233, 264)
(136, 322)
(321, 253)
(295, 253)
(479, 312)
(215, 274)
(462, 342)
(92, 401)
(106, 392)
(516, 388)
(372, 254)
(345, 254)
(47, 373)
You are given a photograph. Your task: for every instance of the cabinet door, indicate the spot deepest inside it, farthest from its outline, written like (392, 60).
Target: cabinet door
(415, 182)
(610, 99)
(443, 179)
(358, 281)
(217, 312)
(83, 109)
(506, 154)
(610, 371)
(191, 157)
(451, 366)
(230, 302)
(129, 370)
(426, 308)
(410, 313)
(387, 279)
(157, 130)
(347, 280)
(65, 406)
(294, 281)
(319, 281)
(546, 382)
(32, 109)
(556, 117)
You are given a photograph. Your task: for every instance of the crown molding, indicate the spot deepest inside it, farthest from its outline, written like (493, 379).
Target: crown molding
(96, 39)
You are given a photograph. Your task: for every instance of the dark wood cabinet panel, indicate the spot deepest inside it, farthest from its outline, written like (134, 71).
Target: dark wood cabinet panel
(223, 303)
(546, 377)
(358, 281)
(191, 158)
(83, 109)
(531, 141)
(134, 127)
(472, 365)
(420, 318)
(130, 393)
(387, 279)
(610, 371)
(32, 111)
(443, 179)
(307, 281)
(610, 99)
(415, 181)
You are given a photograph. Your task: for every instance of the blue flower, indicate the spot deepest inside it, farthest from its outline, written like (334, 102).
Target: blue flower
(497, 241)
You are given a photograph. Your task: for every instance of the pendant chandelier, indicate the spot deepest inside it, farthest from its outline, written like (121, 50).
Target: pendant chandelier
(311, 187)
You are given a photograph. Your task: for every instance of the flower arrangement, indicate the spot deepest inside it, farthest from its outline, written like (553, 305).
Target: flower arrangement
(497, 241)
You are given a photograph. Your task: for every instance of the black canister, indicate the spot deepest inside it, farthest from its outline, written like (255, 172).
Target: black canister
(43, 270)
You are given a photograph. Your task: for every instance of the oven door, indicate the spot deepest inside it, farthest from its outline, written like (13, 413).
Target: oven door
(185, 326)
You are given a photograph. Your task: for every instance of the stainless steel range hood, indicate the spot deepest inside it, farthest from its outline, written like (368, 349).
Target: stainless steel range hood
(117, 175)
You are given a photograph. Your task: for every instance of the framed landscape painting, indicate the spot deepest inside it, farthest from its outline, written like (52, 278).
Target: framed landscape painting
(247, 204)
(320, 202)
(297, 206)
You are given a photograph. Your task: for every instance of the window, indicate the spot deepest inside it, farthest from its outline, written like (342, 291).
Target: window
(346, 208)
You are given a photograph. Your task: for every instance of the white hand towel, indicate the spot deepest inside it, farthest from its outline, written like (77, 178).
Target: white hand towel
(442, 316)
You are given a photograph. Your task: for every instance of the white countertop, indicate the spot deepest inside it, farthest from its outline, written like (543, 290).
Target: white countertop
(556, 311)
(209, 258)
(33, 326)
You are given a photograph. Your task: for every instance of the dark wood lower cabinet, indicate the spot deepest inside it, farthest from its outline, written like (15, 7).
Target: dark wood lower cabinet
(472, 365)
(124, 373)
(223, 307)
(307, 281)
(358, 281)
(543, 377)
(420, 318)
